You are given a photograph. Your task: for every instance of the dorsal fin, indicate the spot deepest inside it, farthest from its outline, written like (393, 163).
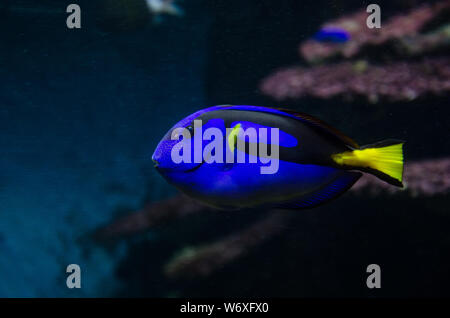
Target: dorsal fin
(313, 121)
(322, 125)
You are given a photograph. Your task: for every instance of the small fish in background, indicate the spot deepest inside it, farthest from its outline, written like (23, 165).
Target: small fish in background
(332, 35)
(131, 15)
(160, 7)
(316, 163)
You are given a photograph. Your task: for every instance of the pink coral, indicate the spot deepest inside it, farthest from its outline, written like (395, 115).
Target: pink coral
(204, 260)
(421, 178)
(394, 82)
(396, 27)
(149, 216)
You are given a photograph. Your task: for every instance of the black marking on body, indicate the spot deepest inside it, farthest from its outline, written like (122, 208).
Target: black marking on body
(314, 145)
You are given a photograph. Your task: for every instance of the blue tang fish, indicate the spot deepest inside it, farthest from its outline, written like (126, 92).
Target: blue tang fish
(315, 163)
(334, 35)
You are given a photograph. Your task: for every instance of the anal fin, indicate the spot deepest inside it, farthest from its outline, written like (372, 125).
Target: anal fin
(326, 193)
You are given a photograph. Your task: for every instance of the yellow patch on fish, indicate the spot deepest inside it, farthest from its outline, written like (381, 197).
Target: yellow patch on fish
(232, 137)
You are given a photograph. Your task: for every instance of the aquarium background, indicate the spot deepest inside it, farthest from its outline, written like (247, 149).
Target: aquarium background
(81, 111)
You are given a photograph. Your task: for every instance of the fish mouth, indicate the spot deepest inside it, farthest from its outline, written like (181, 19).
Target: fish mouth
(195, 168)
(161, 169)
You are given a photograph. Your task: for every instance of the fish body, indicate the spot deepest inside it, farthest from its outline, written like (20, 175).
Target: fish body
(311, 165)
(333, 35)
(158, 7)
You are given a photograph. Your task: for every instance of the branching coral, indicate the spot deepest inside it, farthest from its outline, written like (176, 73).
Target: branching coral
(424, 43)
(203, 260)
(394, 81)
(397, 80)
(151, 215)
(422, 179)
(397, 27)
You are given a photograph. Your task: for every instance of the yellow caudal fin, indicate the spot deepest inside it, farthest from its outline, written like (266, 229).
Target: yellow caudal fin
(384, 159)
